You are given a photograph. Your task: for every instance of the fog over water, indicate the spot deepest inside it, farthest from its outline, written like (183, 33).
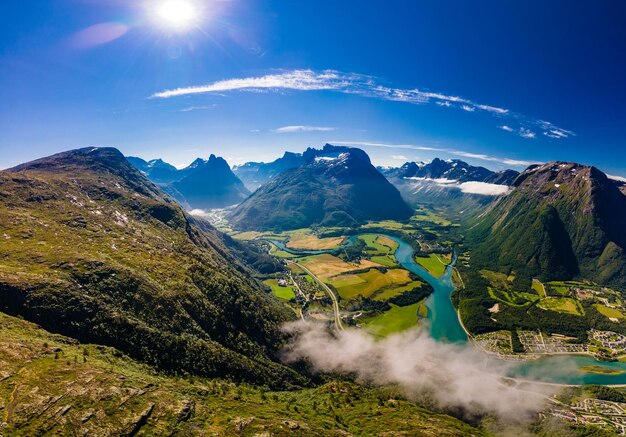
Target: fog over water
(453, 375)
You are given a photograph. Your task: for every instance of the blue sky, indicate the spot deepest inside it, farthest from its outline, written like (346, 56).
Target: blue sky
(499, 84)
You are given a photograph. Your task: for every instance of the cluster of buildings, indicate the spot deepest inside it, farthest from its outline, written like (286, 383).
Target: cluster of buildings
(614, 342)
(604, 414)
(538, 343)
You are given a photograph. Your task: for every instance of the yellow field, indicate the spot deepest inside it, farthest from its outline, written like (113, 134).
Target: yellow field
(311, 242)
(325, 265)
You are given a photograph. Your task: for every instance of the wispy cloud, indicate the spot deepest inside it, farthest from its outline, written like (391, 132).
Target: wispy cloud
(399, 158)
(359, 84)
(506, 128)
(297, 129)
(196, 108)
(527, 133)
(462, 153)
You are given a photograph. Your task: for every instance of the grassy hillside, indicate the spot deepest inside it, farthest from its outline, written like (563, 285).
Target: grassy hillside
(93, 250)
(50, 384)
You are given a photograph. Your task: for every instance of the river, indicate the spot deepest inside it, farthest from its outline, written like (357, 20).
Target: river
(445, 326)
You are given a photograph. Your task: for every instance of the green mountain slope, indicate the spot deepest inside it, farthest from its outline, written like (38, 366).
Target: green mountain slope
(338, 186)
(562, 220)
(51, 385)
(93, 250)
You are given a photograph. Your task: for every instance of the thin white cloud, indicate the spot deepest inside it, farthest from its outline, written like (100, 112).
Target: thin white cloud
(481, 188)
(399, 158)
(298, 129)
(358, 84)
(506, 128)
(465, 154)
(527, 133)
(552, 131)
(484, 189)
(196, 108)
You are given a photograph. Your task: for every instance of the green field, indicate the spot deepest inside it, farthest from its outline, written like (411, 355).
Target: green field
(425, 215)
(381, 249)
(433, 263)
(395, 320)
(609, 312)
(562, 305)
(366, 284)
(388, 224)
(286, 293)
(539, 288)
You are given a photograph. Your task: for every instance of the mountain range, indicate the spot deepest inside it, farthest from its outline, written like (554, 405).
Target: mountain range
(562, 220)
(204, 184)
(255, 174)
(336, 186)
(95, 251)
(451, 169)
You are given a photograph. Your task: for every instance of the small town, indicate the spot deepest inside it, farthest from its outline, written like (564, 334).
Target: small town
(594, 412)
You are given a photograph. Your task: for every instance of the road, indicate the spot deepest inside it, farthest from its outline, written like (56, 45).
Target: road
(330, 293)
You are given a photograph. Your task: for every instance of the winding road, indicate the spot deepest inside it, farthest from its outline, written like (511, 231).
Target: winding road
(331, 294)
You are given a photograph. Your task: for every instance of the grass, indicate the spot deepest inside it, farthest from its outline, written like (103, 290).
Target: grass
(275, 251)
(539, 288)
(371, 282)
(611, 313)
(425, 215)
(312, 242)
(64, 388)
(286, 293)
(397, 319)
(387, 224)
(246, 236)
(601, 370)
(381, 249)
(433, 264)
(326, 265)
(562, 305)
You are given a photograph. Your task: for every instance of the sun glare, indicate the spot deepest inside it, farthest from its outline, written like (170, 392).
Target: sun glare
(177, 14)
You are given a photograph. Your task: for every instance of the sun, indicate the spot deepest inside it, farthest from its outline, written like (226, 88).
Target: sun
(177, 14)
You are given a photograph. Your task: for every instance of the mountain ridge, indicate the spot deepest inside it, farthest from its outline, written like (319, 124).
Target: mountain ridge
(337, 186)
(582, 214)
(94, 250)
(203, 184)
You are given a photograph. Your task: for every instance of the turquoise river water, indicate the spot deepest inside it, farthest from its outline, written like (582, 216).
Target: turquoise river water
(446, 327)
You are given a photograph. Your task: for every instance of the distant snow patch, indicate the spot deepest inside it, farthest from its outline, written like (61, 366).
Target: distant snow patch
(484, 188)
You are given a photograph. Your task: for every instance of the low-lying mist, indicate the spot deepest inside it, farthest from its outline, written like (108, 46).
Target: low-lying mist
(453, 375)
